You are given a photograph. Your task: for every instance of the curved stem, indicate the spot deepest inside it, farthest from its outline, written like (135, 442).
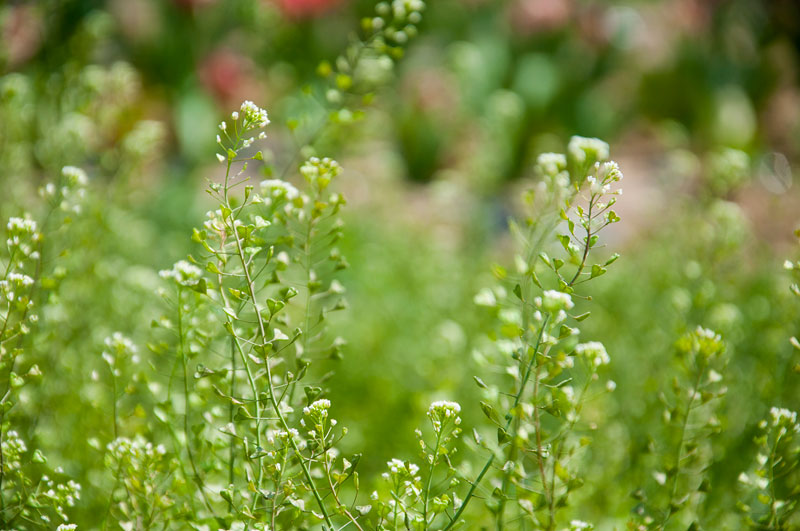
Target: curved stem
(271, 390)
(517, 398)
(187, 405)
(430, 476)
(679, 449)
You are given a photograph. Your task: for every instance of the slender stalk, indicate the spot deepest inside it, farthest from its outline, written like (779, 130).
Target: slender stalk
(232, 446)
(336, 494)
(679, 449)
(488, 464)
(187, 405)
(271, 390)
(430, 477)
(773, 509)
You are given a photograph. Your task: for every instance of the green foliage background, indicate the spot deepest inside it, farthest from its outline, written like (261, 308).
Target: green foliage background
(133, 91)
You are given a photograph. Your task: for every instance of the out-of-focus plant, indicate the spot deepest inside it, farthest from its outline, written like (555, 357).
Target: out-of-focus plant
(535, 459)
(29, 497)
(774, 483)
(689, 420)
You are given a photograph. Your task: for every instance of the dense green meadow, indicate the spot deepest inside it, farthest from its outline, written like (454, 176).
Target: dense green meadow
(332, 264)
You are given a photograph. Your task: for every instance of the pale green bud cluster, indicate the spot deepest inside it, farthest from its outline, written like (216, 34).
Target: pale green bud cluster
(320, 172)
(119, 349)
(587, 150)
(594, 352)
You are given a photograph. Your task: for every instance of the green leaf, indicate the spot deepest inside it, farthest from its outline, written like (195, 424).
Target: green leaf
(502, 436)
(582, 316)
(312, 393)
(597, 270)
(490, 413)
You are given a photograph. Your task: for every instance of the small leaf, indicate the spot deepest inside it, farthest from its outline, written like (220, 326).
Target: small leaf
(490, 413)
(502, 436)
(597, 271)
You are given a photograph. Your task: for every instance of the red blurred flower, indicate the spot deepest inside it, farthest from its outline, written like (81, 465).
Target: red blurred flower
(307, 8)
(229, 77)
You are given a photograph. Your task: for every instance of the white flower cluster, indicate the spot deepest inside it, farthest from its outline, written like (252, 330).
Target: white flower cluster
(758, 481)
(137, 451)
(443, 411)
(13, 284)
(183, 273)
(22, 232)
(74, 177)
(403, 476)
(119, 347)
(708, 341)
(214, 223)
(279, 189)
(580, 525)
(67, 527)
(254, 116)
(13, 447)
(59, 495)
(320, 171)
(595, 353)
(67, 493)
(551, 164)
(781, 416)
(606, 174)
(70, 194)
(318, 408)
(590, 150)
(20, 226)
(552, 167)
(553, 301)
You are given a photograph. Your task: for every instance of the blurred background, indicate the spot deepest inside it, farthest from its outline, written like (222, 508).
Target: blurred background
(699, 99)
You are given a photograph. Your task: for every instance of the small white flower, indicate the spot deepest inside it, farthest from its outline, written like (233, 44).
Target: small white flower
(782, 415)
(553, 301)
(254, 115)
(74, 176)
(593, 149)
(184, 273)
(277, 188)
(595, 353)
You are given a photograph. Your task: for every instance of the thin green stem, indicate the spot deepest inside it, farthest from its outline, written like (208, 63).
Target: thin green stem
(679, 449)
(517, 398)
(430, 476)
(187, 405)
(773, 509)
(271, 389)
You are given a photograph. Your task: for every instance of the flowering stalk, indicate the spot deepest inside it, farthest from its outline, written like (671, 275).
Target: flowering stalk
(276, 231)
(534, 327)
(689, 414)
(19, 283)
